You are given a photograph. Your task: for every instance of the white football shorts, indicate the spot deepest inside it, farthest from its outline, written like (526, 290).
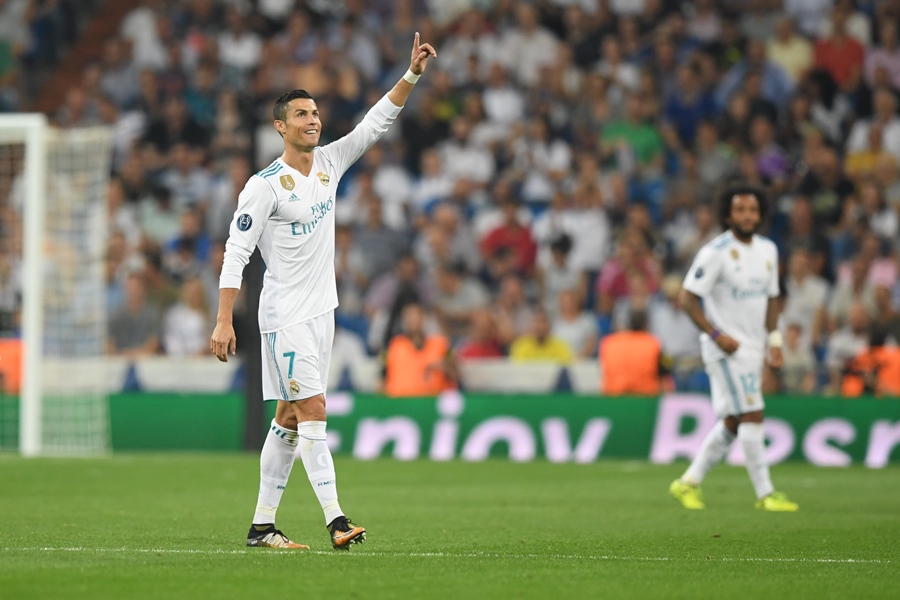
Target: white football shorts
(736, 383)
(296, 359)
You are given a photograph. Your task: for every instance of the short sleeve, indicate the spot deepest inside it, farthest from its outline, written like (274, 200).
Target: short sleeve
(704, 272)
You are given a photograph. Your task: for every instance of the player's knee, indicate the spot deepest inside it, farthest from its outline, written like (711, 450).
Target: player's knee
(731, 424)
(285, 416)
(311, 409)
(752, 417)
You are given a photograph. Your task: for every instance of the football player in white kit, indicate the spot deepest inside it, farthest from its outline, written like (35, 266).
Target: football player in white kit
(736, 276)
(287, 209)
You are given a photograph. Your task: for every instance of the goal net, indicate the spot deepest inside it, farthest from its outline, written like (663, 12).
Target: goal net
(53, 322)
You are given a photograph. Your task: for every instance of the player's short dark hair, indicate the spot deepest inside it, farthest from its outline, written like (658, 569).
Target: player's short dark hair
(279, 111)
(740, 189)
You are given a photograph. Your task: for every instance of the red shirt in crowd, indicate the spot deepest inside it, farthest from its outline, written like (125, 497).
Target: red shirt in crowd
(517, 238)
(840, 57)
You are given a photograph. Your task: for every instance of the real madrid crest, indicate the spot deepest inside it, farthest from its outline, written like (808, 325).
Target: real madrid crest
(734, 254)
(323, 178)
(769, 266)
(293, 385)
(287, 182)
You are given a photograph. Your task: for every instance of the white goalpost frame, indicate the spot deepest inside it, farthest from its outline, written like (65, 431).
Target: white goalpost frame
(31, 129)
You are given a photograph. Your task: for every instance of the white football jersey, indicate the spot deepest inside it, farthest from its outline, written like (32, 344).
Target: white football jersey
(291, 218)
(735, 281)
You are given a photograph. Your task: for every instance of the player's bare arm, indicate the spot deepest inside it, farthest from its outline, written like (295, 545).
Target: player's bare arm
(690, 304)
(775, 357)
(223, 339)
(417, 65)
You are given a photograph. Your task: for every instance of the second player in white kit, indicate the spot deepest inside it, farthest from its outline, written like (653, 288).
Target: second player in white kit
(287, 210)
(736, 278)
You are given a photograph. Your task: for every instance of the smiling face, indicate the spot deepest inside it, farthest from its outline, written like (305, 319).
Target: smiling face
(301, 127)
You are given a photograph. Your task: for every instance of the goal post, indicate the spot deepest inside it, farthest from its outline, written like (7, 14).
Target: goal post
(55, 184)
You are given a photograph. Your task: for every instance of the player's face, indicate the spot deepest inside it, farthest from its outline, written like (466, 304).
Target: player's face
(302, 124)
(745, 217)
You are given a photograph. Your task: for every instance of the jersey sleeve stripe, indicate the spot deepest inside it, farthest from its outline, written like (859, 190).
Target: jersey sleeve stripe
(270, 170)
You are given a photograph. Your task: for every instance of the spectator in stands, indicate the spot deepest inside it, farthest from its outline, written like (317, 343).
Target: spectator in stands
(826, 187)
(847, 293)
(386, 297)
(886, 55)
(633, 142)
(774, 84)
(509, 245)
(631, 359)
(540, 345)
(512, 312)
(10, 290)
(174, 126)
(559, 276)
(159, 289)
(790, 51)
(884, 118)
(840, 54)
(240, 50)
(188, 181)
(798, 371)
(846, 344)
(686, 108)
(350, 271)
(887, 317)
(380, 244)
(447, 238)
(875, 370)
(186, 324)
(134, 330)
(481, 341)
(807, 295)
(576, 327)
(457, 295)
(612, 283)
(418, 364)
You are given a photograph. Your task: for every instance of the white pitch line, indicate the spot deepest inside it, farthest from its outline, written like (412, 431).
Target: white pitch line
(363, 553)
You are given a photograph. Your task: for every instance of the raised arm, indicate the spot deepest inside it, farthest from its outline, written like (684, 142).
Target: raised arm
(417, 64)
(344, 152)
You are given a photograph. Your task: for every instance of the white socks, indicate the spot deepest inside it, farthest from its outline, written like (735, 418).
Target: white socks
(753, 443)
(319, 467)
(275, 464)
(714, 449)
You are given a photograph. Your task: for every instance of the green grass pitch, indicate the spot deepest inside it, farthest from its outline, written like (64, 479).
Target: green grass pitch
(173, 526)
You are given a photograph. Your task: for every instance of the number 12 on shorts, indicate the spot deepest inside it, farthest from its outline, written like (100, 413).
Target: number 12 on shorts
(749, 382)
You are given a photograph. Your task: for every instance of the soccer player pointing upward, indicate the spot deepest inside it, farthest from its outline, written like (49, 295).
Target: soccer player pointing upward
(736, 275)
(287, 209)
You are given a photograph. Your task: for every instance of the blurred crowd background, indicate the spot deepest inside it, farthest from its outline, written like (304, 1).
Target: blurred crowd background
(547, 186)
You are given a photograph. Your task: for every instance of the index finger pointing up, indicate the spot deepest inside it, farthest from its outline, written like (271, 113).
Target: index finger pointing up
(416, 42)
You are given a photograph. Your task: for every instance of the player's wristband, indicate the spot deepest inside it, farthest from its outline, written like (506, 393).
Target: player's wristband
(776, 340)
(714, 334)
(411, 77)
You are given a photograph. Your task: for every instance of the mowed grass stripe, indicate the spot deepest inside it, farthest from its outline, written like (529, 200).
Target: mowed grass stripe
(503, 555)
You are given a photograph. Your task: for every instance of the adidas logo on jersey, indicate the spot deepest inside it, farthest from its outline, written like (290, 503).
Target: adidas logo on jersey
(293, 197)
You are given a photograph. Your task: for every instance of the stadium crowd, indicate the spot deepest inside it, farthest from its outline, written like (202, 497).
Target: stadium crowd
(548, 184)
